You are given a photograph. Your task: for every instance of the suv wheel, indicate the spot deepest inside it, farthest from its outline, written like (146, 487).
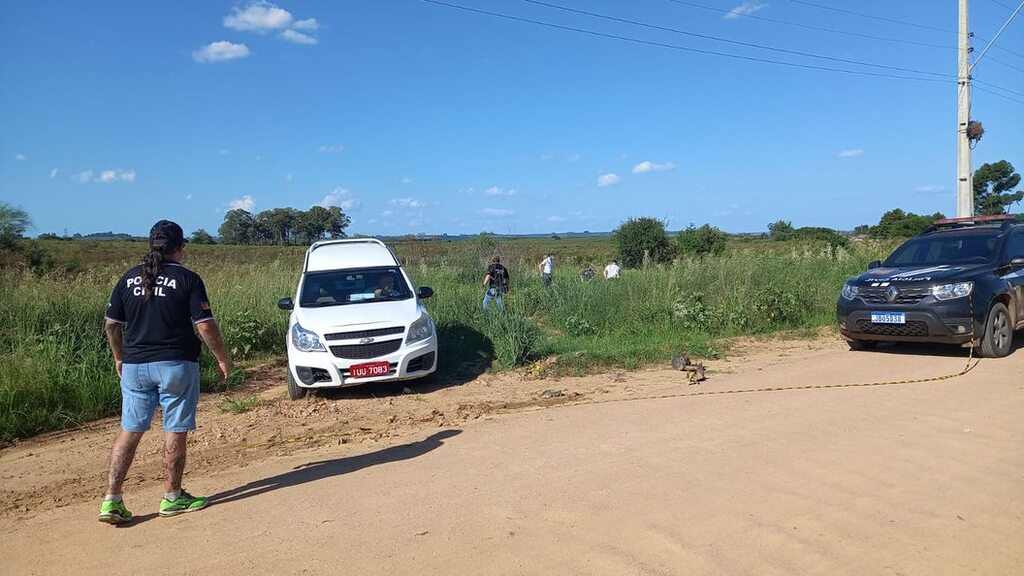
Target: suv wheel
(998, 336)
(861, 345)
(295, 392)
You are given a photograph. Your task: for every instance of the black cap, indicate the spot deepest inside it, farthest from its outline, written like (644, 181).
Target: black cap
(166, 234)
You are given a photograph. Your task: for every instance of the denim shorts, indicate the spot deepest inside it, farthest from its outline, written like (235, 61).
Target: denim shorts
(174, 384)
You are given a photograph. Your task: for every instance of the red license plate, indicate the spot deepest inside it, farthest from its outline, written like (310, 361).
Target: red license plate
(369, 369)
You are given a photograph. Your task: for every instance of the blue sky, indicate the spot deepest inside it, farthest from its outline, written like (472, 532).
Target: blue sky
(417, 117)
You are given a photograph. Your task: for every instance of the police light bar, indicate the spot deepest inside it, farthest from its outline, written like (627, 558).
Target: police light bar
(975, 219)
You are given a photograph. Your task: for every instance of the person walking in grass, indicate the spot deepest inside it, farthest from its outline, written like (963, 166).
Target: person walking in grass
(149, 325)
(612, 270)
(496, 284)
(547, 268)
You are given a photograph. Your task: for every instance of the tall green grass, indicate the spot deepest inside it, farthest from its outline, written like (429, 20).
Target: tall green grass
(56, 369)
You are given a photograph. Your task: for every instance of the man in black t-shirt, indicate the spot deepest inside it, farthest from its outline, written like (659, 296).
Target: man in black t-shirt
(496, 284)
(149, 325)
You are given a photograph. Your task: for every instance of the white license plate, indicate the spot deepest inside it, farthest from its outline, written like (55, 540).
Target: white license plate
(888, 318)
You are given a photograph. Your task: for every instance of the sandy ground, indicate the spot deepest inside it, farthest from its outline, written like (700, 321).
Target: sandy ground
(624, 473)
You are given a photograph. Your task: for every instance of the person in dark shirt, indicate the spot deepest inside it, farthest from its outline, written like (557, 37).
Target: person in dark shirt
(496, 284)
(149, 325)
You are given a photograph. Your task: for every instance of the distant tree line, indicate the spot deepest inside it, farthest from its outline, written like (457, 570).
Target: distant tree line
(279, 226)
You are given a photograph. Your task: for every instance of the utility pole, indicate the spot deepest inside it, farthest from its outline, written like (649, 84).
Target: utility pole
(964, 175)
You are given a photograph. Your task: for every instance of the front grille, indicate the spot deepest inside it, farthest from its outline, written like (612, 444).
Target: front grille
(364, 333)
(364, 351)
(876, 294)
(911, 328)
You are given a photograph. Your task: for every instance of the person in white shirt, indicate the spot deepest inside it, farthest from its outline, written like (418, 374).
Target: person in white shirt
(547, 268)
(612, 270)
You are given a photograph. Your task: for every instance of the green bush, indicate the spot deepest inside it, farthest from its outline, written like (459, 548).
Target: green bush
(701, 242)
(642, 239)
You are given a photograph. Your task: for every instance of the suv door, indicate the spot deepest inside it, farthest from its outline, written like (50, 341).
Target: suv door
(1015, 276)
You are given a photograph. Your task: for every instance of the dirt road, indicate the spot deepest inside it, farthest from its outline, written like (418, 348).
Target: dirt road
(492, 477)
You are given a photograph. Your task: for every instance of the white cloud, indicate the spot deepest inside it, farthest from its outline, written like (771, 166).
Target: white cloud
(406, 180)
(386, 213)
(340, 197)
(19, 156)
(103, 176)
(747, 7)
(496, 191)
(107, 176)
(574, 158)
(189, 197)
(331, 149)
(497, 212)
(605, 180)
(557, 218)
(299, 38)
(932, 189)
(546, 157)
(220, 51)
(245, 203)
(259, 17)
(308, 24)
(223, 151)
(407, 203)
(850, 153)
(648, 166)
(53, 173)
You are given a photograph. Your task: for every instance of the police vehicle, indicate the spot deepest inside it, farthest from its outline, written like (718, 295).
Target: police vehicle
(961, 281)
(356, 318)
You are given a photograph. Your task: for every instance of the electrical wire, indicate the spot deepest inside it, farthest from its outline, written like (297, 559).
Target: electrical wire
(735, 42)
(1001, 28)
(998, 94)
(871, 16)
(678, 47)
(991, 85)
(810, 27)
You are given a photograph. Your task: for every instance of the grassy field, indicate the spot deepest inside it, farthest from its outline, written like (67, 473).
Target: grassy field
(56, 369)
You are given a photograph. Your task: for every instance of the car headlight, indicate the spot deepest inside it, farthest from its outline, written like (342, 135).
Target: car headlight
(306, 341)
(849, 291)
(421, 329)
(951, 291)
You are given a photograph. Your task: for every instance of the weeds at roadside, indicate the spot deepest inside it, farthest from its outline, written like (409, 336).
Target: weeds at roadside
(240, 405)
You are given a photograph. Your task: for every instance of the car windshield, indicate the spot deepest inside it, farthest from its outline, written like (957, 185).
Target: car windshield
(977, 247)
(337, 287)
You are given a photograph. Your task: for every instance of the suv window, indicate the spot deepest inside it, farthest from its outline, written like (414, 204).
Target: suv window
(337, 287)
(946, 248)
(1015, 246)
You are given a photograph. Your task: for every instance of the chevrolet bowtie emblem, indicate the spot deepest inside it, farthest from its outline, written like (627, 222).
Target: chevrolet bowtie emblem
(366, 340)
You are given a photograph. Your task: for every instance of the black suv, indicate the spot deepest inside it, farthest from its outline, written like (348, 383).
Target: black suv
(959, 281)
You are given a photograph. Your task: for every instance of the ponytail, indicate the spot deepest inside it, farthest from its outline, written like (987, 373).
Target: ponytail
(152, 265)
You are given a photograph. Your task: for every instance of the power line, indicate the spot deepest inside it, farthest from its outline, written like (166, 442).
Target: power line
(817, 28)
(991, 85)
(998, 94)
(871, 16)
(678, 47)
(735, 42)
(1001, 28)
(1004, 63)
(998, 3)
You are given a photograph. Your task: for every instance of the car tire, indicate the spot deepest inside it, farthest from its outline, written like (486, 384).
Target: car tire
(295, 392)
(862, 345)
(997, 340)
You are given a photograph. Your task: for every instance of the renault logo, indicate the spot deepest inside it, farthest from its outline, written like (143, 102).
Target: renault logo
(366, 340)
(892, 294)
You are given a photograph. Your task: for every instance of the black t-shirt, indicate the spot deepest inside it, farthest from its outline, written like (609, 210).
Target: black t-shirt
(160, 328)
(499, 276)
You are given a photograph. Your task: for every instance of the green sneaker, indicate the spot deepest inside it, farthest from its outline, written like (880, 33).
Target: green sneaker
(114, 512)
(185, 503)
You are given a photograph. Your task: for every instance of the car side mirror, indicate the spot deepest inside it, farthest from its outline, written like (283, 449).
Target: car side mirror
(285, 303)
(1017, 262)
(425, 292)
(874, 264)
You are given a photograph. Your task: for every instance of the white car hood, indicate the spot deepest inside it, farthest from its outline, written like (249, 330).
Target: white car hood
(360, 316)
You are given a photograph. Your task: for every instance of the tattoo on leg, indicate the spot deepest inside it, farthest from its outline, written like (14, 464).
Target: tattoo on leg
(174, 460)
(121, 457)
